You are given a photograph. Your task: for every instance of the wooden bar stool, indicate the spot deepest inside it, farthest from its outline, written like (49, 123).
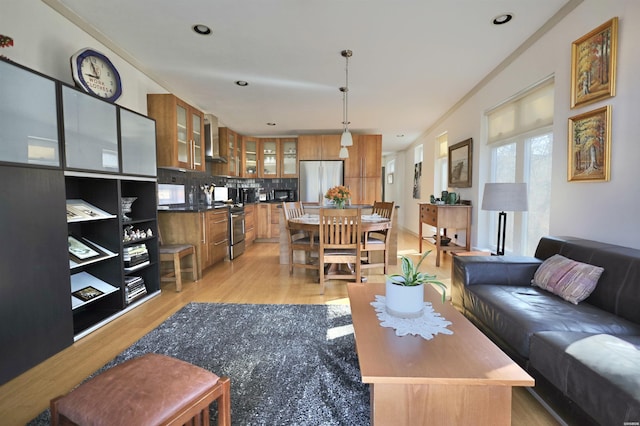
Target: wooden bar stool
(174, 253)
(152, 389)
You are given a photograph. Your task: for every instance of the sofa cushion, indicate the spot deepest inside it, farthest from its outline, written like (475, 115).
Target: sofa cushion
(600, 372)
(573, 281)
(514, 313)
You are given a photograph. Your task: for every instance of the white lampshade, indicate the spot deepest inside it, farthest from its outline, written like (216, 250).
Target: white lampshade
(510, 197)
(344, 152)
(346, 139)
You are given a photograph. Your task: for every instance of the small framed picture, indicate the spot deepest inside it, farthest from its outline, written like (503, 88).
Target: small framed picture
(81, 250)
(589, 155)
(593, 65)
(87, 293)
(460, 163)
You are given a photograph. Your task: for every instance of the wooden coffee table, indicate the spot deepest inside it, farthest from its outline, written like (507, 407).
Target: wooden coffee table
(457, 379)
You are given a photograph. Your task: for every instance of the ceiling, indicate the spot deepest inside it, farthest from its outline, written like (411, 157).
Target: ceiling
(413, 60)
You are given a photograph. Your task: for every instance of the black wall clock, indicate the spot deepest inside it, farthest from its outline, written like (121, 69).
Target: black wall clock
(96, 74)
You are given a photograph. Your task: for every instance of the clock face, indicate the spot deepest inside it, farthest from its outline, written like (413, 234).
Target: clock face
(95, 73)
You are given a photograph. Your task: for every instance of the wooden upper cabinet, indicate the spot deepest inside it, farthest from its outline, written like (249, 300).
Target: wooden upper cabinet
(365, 157)
(250, 157)
(231, 149)
(319, 147)
(180, 130)
(288, 158)
(268, 158)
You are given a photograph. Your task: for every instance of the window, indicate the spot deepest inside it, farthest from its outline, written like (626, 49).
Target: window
(521, 140)
(441, 180)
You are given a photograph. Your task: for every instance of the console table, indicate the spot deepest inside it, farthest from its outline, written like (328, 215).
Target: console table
(442, 217)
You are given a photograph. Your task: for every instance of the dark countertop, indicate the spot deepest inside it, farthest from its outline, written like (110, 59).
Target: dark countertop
(192, 209)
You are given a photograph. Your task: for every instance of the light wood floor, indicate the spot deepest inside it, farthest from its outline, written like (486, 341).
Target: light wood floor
(255, 277)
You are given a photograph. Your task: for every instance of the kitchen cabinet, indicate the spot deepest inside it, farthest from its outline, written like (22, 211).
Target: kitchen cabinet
(217, 239)
(207, 231)
(288, 158)
(250, 147)
(231, 149)
(319, 147)
(250, 213)
(268, 221)
(363, 169)
(180, 130)
(268, 159)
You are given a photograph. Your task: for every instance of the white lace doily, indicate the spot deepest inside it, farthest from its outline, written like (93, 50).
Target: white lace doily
(427, 325)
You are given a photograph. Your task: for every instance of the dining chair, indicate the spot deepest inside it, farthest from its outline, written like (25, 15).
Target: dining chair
(299, 240)
(378, 241)
(339, 232)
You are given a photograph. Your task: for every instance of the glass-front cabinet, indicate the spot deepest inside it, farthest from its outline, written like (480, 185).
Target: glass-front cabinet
(250, 155)
(269, 158)
(138, 144)
(90, 132)
(180, 130)
(28, 117)
(289, 149)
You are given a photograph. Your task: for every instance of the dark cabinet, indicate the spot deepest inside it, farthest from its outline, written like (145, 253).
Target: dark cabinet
(62, 224)
(35, 307)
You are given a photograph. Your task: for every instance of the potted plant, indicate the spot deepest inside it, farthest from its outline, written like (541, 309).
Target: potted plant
(405, 291)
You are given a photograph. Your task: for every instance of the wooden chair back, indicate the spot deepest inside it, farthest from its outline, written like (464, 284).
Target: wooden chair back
(340, 235)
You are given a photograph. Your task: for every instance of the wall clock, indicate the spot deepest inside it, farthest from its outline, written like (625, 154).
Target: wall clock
(96, 74)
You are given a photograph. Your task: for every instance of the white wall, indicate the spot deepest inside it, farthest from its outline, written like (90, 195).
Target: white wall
(604, 211)
(44, 41)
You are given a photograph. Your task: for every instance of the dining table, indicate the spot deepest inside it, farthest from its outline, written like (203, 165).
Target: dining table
(369, 223)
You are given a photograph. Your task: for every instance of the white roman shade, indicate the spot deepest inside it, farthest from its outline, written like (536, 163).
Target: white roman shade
(532, 110)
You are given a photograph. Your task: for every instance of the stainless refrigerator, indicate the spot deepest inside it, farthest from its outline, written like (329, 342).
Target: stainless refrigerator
(316, 177)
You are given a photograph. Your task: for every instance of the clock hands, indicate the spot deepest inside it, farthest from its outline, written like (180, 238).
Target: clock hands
(96, 70)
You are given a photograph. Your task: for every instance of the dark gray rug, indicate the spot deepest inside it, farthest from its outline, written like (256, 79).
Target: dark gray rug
(288, 364)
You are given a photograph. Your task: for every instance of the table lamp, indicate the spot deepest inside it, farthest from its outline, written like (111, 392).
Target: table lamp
(503, 197)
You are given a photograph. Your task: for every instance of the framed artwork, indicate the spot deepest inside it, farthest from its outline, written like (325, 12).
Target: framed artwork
(80, 210)
(460, 163)
(82, 250)
(589, 155)
(593, 64)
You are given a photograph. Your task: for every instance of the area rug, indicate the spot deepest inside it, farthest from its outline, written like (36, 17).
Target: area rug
(288, 364)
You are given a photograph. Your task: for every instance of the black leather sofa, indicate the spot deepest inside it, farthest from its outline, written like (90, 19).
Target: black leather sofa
(585, 357)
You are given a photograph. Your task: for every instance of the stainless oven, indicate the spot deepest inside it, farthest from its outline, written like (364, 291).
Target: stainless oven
(236, 231)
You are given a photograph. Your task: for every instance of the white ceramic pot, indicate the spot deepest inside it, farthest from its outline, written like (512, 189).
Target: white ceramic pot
(404, 302)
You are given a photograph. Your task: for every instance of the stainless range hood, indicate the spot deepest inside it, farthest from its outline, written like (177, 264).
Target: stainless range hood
(212, 140)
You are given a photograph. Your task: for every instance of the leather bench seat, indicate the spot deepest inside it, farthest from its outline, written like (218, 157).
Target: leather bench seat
(152, 389)
(515, 313)
(576, 363)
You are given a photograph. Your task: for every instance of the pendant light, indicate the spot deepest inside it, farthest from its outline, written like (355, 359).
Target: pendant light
(346, 139)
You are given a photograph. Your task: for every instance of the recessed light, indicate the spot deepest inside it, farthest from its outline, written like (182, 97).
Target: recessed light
(400, 136)
(502, 19)
(242, 83)
(201, 29)
(271, 124)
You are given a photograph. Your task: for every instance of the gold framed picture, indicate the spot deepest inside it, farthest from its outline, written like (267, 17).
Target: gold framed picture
(593, 65)
(589, 155)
